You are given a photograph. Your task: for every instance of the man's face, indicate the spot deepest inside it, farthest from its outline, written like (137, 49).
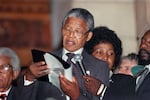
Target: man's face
(6, 73)
(144, 52)
(74, 34)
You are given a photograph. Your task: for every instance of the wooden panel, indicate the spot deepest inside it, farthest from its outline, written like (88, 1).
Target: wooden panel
(142, 8)
(25, 24)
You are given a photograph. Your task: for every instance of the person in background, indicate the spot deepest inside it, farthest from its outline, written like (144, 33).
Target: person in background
(127, 63)
(106, 45)
(9, 71)
(142, 83)
(11, 88)
(76, 31)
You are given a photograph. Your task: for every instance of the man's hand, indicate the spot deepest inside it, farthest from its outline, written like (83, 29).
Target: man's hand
(37, 70)
(70, 88)
(92, 84)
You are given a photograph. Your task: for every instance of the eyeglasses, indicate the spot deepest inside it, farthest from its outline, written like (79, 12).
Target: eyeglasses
(5, 67)
(77, 33)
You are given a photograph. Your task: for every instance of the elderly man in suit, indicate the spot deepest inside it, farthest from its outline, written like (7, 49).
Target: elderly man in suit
(9, 70)
(143, 81)
(76, 31)
(10, 89)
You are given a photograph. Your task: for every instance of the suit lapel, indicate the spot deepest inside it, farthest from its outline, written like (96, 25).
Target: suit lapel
(11, 95)
(58, 53)
(86, 60)
(144, 82)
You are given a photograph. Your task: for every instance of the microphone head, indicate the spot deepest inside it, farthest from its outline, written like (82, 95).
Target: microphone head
(78, 58)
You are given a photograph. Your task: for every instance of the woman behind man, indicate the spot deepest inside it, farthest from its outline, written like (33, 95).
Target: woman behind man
(106, 45)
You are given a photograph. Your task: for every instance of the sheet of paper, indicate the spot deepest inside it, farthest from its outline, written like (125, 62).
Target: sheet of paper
(55, 69)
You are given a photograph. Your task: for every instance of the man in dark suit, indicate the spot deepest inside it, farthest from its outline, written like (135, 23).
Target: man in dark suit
(12, 89)
(38, 90)
(143, 85)
(76, 31)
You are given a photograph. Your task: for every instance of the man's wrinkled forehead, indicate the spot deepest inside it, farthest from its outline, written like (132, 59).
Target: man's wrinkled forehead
(4, 60)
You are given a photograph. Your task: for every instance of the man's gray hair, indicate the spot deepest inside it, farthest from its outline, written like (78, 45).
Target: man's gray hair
(83, 14)
(14, 59)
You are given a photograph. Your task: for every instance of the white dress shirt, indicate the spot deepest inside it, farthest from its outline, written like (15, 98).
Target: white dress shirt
(65, 57)
(6, 92)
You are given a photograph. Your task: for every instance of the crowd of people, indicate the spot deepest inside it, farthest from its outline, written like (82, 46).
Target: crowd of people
(108, 74)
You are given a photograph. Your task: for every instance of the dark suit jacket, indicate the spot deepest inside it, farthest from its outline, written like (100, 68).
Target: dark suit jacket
(97, 68)
(122, 87)
(143, 93)
(36, 91)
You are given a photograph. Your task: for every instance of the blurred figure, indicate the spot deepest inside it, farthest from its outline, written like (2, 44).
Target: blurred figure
(127, 63)
(143, 81)
(9, 71)
(106, 45)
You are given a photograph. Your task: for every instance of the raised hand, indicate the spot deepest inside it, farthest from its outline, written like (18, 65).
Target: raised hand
(36, 70)
(92, 84)
(70, 88)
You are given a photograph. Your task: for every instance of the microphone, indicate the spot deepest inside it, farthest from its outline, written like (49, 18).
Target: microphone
(78, 60)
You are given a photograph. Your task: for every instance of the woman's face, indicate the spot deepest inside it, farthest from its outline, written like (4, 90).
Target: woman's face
(105, 51)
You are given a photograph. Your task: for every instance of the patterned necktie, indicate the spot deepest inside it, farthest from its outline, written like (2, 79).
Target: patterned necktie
(70, 56)
(77, 73)
(3, 96)
(142, 77)
(75, 70)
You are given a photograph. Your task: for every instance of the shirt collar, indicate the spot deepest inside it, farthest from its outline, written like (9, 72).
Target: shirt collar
(148, 66)
(6, 92)
(64, 56)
